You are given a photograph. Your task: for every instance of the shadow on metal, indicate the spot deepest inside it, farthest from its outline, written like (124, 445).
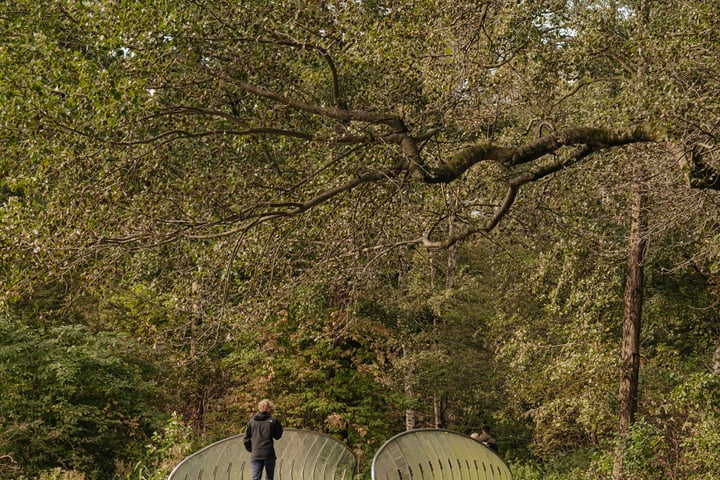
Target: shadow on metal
(435, 454)
(302, 455)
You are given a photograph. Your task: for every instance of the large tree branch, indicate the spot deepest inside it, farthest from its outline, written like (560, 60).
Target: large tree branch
(595, 138)
(408, 143)
(697, 172)
(568, 147)
(504, 207)
(172, 135)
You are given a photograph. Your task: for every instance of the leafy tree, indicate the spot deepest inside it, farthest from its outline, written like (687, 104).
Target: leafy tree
(199, 165)
(437, 356)
(321, 367)
(74, 398)
(326, 108)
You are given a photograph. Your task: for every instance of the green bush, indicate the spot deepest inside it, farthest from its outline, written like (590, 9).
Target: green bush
(73, 398)
(167, 448)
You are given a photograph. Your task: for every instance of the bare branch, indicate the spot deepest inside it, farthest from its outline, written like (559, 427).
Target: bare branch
(172, 135)
(335, 82)
(252, 215)
(393, 121)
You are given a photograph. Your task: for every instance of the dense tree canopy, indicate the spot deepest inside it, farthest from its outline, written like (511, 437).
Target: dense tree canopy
(204, 121)
(351, 204)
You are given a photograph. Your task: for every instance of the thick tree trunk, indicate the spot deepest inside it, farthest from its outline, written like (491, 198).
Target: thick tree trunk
(716, 358)
(630, 349)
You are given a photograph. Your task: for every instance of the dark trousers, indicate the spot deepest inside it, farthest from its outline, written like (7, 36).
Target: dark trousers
(257, 468)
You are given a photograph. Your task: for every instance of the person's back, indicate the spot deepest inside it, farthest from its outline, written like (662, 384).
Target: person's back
(260, 435)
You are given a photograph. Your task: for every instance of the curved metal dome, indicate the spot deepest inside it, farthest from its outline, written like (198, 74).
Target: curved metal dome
(436, 454)
(302, 455)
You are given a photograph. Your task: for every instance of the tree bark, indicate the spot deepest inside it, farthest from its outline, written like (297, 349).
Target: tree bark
(439, 407)
(440, 400)
(410, 416)
(630, 349)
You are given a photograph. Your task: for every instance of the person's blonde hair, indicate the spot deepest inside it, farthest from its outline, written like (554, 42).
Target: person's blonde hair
(266, 405)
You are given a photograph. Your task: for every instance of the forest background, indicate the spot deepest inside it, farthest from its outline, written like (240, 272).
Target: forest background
(381, 215)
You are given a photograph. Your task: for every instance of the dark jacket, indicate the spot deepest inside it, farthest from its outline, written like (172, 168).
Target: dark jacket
(259, 435)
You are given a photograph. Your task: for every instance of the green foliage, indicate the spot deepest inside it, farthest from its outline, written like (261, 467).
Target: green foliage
(60, 474)
(642, 451)
(319, 364)
(697, 401)
(701, 447)
(166, 449)
(567, 470)
(145, 190)
(74, 398)
(556, 346)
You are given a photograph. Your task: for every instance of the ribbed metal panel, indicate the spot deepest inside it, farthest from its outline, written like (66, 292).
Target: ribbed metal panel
(302, 455)
(436, 454)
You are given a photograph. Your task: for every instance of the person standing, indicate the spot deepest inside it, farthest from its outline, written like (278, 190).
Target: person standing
(260, 435)
(486, 439)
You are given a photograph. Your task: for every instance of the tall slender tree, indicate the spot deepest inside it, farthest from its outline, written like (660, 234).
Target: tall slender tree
(632, 317)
